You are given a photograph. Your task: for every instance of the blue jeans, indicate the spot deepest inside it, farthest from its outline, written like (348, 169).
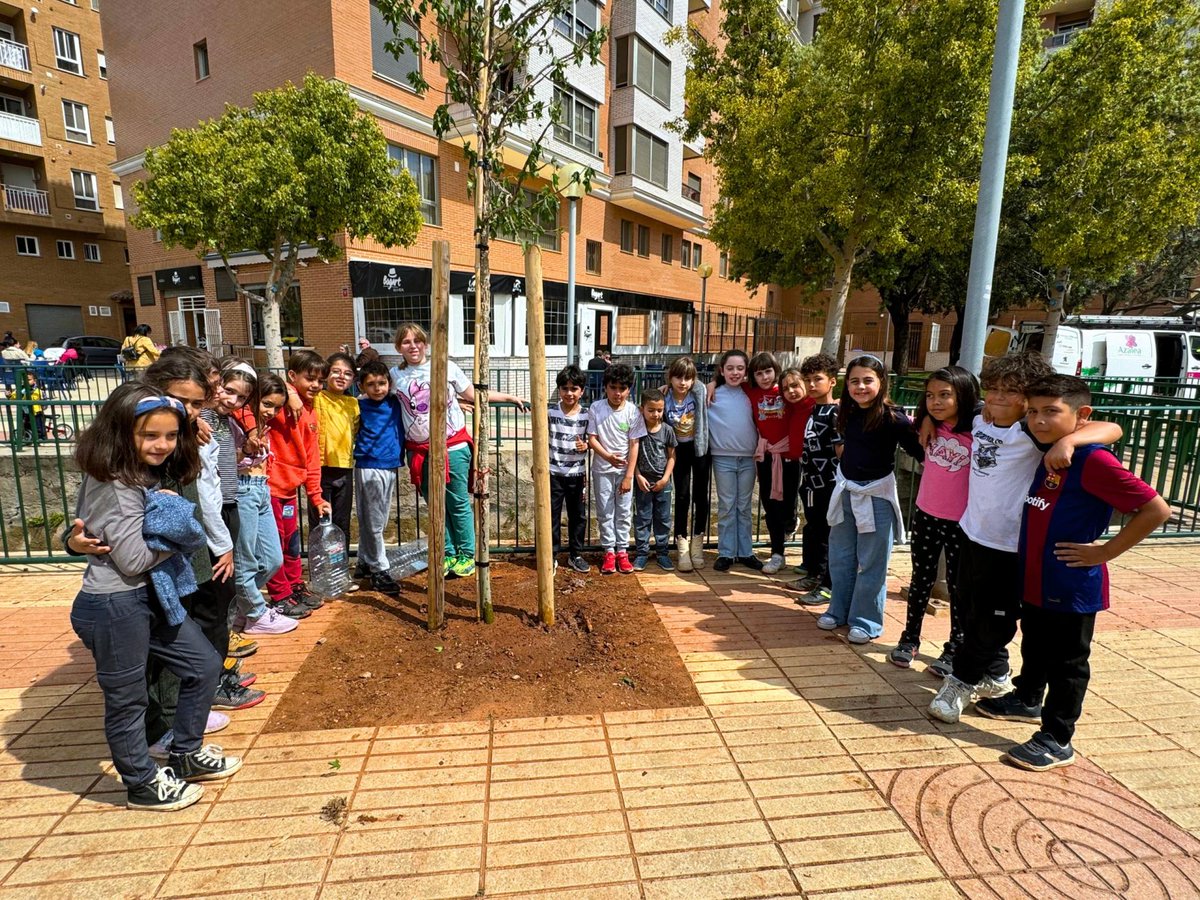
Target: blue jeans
(257, 554)
(122, 631)
(858, 567)
(734, 476)
(653, 514)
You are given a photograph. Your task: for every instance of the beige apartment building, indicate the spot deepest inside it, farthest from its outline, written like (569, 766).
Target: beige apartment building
(63, 269)
(642, 232)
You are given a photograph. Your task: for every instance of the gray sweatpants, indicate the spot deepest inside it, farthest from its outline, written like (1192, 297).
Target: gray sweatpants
(374, 490)
(614, 510)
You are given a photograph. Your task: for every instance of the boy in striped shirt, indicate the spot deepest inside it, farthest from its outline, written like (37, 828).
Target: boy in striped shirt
(568, 465)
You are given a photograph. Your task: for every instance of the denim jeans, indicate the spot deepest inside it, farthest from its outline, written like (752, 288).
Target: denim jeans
(858, 567)
(653, 514)
(257, 554)
(613, 510)
(734, 476)
(122, 630)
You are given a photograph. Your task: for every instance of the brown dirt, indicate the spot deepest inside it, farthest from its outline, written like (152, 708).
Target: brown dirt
(378, 665)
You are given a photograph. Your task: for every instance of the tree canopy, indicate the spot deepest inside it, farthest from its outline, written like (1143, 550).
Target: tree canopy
(301, 166)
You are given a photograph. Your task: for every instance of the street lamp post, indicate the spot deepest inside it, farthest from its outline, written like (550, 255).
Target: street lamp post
(704, 270)
(887, 331)
(572, 187)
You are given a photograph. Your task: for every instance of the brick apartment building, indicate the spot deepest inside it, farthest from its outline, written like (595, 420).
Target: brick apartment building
(63, 270)
(641, 234)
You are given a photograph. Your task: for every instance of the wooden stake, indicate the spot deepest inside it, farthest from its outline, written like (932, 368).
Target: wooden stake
(435, 463)
(536, 336)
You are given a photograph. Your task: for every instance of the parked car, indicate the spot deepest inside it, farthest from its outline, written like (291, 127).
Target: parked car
(93, 350)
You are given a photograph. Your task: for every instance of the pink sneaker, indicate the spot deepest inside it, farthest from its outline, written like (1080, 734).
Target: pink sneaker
(271, 622)
(216, 721)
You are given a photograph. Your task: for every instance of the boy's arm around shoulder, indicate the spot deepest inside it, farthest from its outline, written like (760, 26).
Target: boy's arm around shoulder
(1059, 456)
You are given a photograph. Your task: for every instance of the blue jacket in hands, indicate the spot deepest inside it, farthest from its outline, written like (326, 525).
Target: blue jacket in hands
(171, 525)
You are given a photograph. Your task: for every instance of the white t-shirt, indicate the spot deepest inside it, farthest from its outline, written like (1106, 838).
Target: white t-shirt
(411, 385)
(616, 429)
(1003, 460)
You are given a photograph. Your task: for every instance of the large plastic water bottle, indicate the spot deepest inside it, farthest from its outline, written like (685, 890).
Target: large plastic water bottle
(408, 559)
(328, 567)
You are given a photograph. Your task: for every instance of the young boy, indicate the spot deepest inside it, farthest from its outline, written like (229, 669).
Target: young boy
(655, 464)
(378, 454)
(296, 460)
(568, 463)
(1065, 579)
(1004, 456)
(337, 421)
(614, 426)
(818, 471)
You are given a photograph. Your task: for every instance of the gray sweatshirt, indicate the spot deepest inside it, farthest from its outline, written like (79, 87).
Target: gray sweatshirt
(114, 512)
(731, 430)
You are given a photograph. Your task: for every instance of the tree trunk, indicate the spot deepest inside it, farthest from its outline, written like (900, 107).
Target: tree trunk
(956, 335)
(899, 312)
(272, 336)
(843, 268)
(1054, 316)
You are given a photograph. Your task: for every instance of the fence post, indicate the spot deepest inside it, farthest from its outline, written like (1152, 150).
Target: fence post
(436, 464)
(536, 336)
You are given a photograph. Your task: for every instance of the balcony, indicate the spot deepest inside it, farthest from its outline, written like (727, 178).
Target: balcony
(1060, 40)
(20, 129)
(699, 5)
(690, 193)
(26, 200)
(14, 55)
(645, 198)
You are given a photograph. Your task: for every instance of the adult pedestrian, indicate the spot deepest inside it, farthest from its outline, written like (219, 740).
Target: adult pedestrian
(138, 351)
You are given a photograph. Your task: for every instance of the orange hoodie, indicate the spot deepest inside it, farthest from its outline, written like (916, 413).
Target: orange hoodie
(295, 455)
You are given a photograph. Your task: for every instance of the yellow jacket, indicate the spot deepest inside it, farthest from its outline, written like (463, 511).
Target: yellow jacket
(337, 423)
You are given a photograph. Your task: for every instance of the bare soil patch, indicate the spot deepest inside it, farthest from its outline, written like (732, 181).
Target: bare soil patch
(378, 665)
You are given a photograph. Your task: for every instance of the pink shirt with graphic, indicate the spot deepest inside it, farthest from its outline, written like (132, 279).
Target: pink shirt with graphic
(943, 491)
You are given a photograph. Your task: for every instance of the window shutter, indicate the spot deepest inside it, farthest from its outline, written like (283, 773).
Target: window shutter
(145, 288)
(212, 330)
(176, 327)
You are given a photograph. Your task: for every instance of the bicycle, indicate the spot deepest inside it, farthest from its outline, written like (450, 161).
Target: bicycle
(52, 429)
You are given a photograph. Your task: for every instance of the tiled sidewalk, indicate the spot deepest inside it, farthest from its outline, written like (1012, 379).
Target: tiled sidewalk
(809, 770)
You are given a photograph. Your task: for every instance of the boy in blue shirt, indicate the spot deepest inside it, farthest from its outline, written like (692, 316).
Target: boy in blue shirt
(378, 454)
(1065, 579)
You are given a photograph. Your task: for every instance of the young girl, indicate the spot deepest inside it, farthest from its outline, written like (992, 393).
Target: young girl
(686, 412)
(410, 380)
(139, 438)
(732, 440)
(951, 395)
(778, 465)
(258, 554)
(864, 511)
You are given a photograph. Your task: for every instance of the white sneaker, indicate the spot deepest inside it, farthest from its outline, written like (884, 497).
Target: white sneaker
(858, 636)
(683, 557)
(994, 687)
(697, 551)
(216, 722)
(951, 699)
(271, 622)
(827, 622)
(773, 565)
(161, 748)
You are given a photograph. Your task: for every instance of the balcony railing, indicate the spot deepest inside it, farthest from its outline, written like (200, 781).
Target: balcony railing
(1060, 40)
(690, 193)
(21, 129)
(26, 200)
(14, 55)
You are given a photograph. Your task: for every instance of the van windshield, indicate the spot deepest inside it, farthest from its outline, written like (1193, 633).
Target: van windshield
(1195, 344)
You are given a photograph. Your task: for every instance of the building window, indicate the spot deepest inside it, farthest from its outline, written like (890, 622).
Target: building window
(668, 248)
(423, 169)
(633, 328)
(626, 236)
(640, 65)
(644, 241)
(109, 132)
(723, 265)
(935, 336)
(591, 258)
(102, 64)
(91, 252)
(96, 5)
(76, 122)
(662, 7)
(685, 254)
(577, 123)
(118, 196)
(691, 188)
(291, 322)
(639, 153)
(145, 290)
(27, 245)
(697, 255)
(125, 250)
(66, 249)
(555, 323)
(383, 315)
(200, 58)
(545, 230)
(770, 299)
(578, 24)
(67, 55)
(84, 185)
(383, 63)
(468, 318)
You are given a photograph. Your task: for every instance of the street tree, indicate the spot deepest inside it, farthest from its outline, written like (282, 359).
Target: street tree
(300, 167)
(501, 61)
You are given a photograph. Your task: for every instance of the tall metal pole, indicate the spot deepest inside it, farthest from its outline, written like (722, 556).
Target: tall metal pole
(991, 181)
(572, 215)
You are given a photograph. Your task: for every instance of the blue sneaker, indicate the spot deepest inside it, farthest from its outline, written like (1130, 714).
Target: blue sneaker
(664, 562)
(1040, 753)
(639, 562)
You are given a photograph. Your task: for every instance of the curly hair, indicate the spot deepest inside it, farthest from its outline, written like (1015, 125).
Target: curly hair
(1016, 371)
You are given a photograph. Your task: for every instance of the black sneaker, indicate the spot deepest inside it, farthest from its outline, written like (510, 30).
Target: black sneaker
(723, 564)
(231, 695)
(165, 793)
(1010, 708)
(579, 564)
(384, 583)
(751, 562)
(306, 597)
(903, 654)
(1039, 753)
(943, 665)
(291, 608)
(206, 764)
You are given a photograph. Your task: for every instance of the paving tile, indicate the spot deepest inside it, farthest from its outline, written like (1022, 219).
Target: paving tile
(857, 822)
(716, 812)
(68, 868)
(839, 849)
(559, 875)
(863, 873)
(131, 885)
(551, 787)
(109, 841)
(696, 836)
(765, 883)
(700, 862)
(926, 890)
(556, 805)
(547, 850)
(556, 826)
(405, 862)
(392, 837)
(428, 887)
(691, 793)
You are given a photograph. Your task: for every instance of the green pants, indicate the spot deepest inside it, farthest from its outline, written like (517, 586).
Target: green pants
(460, 520)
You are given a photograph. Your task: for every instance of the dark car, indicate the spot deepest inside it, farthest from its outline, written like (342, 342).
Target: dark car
(93, 350)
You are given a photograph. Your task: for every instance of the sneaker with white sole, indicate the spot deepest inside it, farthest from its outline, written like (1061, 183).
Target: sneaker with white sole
(951, 699)
(1039, 753)
(206, 764)
(161, 749)
(163, 793)
(1009, 708)
(682, 554)
(827, 622)
(858, 636)
(990, 686)
(217, 721)
(818, 597)
(773, 565)
(270, 622)
(697, 549)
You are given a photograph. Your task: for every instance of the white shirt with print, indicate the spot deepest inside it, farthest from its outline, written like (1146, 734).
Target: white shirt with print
(1003, 460)
(411, 385)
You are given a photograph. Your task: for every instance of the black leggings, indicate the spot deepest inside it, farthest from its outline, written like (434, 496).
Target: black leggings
(691, 477)
(931, 537)
(780, 514)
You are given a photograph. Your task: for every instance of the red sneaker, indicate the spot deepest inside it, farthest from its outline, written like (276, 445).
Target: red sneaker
(624, 566)
(610, 564)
